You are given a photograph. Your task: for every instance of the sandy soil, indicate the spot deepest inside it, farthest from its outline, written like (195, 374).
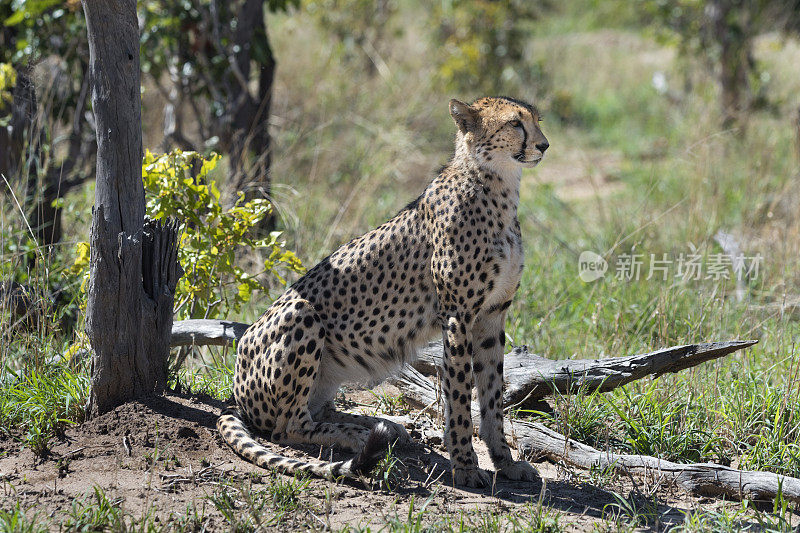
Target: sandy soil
(152, 454)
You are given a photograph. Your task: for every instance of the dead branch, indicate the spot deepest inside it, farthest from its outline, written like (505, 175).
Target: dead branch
(705, 479)
(202, 332)
(528, 377)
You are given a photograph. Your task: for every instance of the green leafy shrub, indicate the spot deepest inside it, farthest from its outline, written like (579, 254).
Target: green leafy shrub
(213, 283)
(42, 401)
(8, 78)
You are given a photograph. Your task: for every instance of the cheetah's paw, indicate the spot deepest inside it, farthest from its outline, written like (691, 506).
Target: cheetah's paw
(519, 471)
(472, 477)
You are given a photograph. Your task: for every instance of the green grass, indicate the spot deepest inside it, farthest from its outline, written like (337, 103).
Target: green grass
(15, 520)
(738, 519)
(40, 402)
(246, 508)
(210, 373)
(96, 511)
(533, 518)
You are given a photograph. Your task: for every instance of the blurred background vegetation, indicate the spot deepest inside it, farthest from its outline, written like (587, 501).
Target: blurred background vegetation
(674, 129)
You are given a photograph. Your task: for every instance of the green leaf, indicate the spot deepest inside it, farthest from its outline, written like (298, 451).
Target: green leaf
(15, 19)
(244, 292)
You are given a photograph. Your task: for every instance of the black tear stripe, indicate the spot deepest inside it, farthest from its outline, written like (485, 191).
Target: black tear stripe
(521, 155)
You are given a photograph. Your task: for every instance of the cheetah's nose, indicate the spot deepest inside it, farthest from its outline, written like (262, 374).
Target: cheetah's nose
(543, 146)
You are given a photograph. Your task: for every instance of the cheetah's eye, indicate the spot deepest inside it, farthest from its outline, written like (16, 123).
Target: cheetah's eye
(515, 124)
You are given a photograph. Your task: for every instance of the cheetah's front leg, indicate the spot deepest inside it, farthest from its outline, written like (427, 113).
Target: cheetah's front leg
(488, 369)
(457, 392)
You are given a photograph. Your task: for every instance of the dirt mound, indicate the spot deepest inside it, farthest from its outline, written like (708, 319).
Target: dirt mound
(126, 452)
(185, 424)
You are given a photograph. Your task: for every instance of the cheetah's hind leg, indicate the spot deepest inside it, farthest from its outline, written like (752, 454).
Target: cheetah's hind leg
(296, 358)
(282, 375)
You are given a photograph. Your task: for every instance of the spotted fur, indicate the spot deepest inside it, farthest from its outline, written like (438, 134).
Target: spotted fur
(449, 263)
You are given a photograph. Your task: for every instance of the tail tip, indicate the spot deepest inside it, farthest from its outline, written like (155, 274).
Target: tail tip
(377, 444)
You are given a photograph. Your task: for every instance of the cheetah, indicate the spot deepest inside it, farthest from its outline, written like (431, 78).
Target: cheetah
(449, 263)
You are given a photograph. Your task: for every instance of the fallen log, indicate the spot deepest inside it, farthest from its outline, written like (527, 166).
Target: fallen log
(201, 332)
(528, 377)
(704, 479)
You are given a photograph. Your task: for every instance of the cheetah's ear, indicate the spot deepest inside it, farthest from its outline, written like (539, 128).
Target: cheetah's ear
(466, 117)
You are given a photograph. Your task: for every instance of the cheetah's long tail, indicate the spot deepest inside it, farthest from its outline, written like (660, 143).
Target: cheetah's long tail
(234, 431)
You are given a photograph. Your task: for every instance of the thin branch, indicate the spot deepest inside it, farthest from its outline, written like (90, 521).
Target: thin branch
(705, 479)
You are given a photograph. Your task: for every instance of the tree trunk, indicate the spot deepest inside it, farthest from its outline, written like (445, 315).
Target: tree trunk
(797, 133)
(250, 140)
(25, 138)
(45, 217)
(21, 156)
(59, 178)
(125, 319)
(729, 27)
(24, 162)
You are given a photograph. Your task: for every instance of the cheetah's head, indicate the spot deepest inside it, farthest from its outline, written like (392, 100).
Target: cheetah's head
(500, 132)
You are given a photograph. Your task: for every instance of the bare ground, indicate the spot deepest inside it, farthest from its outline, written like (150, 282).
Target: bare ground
(163, 454)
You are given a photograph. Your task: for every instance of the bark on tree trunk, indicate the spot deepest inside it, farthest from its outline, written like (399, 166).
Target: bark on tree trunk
(127, 312)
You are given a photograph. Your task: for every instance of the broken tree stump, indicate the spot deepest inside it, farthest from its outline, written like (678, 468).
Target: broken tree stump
(160, 274)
